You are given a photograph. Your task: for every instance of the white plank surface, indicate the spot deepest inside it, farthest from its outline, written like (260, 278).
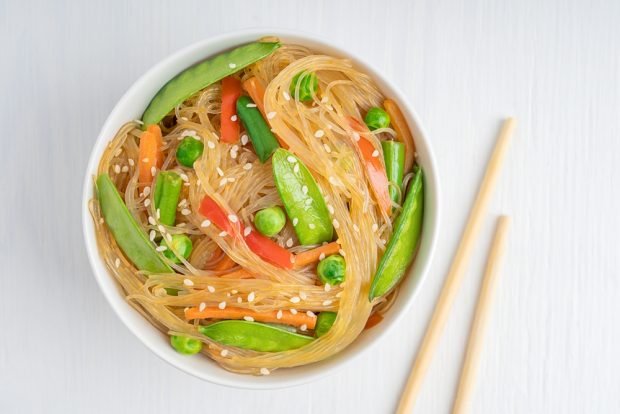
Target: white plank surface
(555, 333)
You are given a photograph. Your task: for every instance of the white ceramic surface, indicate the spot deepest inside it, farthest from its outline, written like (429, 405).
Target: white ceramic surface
(131, 106)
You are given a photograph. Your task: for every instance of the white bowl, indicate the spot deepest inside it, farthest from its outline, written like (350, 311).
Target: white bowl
(131, 106)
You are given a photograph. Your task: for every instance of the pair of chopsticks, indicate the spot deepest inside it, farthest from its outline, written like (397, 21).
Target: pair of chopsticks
(453, 282)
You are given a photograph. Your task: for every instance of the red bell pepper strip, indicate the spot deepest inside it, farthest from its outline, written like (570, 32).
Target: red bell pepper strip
(229, 123)
(263, 247)
(375, 170)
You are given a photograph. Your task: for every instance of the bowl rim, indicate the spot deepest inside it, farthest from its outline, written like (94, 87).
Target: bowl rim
(313, 371)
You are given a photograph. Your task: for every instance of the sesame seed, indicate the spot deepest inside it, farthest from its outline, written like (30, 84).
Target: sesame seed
(131, 162)
(233, 218)
(303, 327)
(152, 220)
(224, 352)
(188, 282)
(223, 182)
(319, 133)
(310, 314)
(324, 99)
(230, 179)
(303, 295)
(293, 311)
(202, 306)
(239, 300)
(101, 220)
(146, 191)
(152, 235)
(322, 256)
(327, 148)
(161, 248)
(161, 228)
(264, 371)
(233, 118)
(335, 223)
(279, 314)
(234, 291)
(247, 166)
(375, 153)
(247, 231)
(117, 262)
(382, 241)
(286, 95)
(356, 228)
(145, 160)
(158, 213)
(330, 208)
(289, 242)
(327, 302)
(205, 223)
(271, 115)
(219, 171)
(186, 211)
(304, 189)
(223, 234)
(222, 305)
(356, 136)
(211, 289)
(251, 105)
(244, 139)
(248, 318)
(117, 169)
(251, 297)
(291, 159)
(147, 202)
(327, 287)
(341, 252)
(153, 171)
(295, 221)
(312, 226)
(295, 299)
(210, 144)
(232, 65)
(184, 177)
(125, 168)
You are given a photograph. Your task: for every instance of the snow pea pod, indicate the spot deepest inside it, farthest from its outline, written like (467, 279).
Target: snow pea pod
(302, 199)
(199, 76)
(394, 157)
(166, 196)
(402, 245)
(324, 323)
(128, 235)
(255, 336)
(263, 140)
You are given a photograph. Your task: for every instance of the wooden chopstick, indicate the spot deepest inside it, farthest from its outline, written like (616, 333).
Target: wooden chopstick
(455, 274)
(481, 317)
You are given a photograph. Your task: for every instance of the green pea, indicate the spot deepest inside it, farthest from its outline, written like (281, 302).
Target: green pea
(332, 269)
(189, 150)
(184, 345)
(309, 85)
(377, 118)
(269, 221)
(181, 244)
(324, 322)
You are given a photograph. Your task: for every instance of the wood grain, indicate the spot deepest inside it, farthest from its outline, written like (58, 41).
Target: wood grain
(554, 338)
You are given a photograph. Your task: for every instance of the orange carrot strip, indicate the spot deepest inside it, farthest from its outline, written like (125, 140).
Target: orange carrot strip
(256, 90)
(229, 122)
(375, 170)
(373, 320)
(310, 256)
(403, 133)
(299, 319)
(149, 154)
(225, 263)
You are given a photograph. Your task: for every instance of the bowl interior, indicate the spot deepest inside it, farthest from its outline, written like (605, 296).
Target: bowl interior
(131, 106)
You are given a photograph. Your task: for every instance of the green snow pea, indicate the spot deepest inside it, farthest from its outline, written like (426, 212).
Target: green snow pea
(181, 244)
(255, 336)
(269, 221)
(184, 345)
(402, 245)
(332, 269)
(308, 85)
(263, 140)
(324, 323)
(304, 204)
(394, 157)
(166, 196)
(128, 235)
(199, 76)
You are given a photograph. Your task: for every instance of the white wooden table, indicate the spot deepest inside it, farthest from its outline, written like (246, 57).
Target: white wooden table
(554, 336)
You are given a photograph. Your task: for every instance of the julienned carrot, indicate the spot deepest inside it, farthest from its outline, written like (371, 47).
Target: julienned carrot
(225, 263)
(254, 87)
(373, 320)
(314, 255)
(375, 170)
(229, 122)
(403, 133)
(286, 317)
(149, 154)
